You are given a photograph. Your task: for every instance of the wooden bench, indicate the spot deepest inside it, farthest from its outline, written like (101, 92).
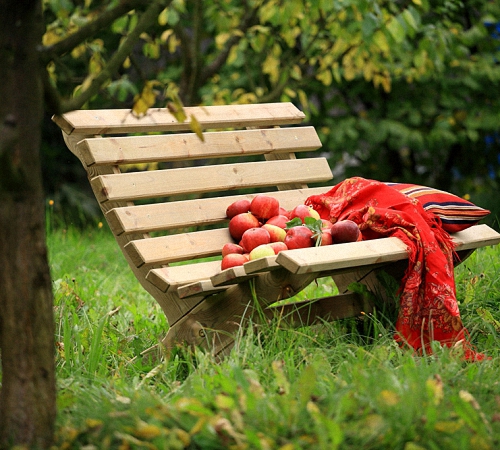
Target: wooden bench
(169, 216)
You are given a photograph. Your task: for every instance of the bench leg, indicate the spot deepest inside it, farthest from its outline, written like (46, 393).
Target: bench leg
(312, 312)
(214, 323)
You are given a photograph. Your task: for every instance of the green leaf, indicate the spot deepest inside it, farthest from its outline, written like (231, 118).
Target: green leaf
(381, 41)
(396, 30)
(173, 17)
(410, 19)
(368, 25)
(295, 222)
(119, 25)
(313, 224)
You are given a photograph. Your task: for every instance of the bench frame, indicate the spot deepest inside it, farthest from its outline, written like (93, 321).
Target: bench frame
(205, 306)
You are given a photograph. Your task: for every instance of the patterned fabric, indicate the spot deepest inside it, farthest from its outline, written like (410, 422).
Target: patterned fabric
(456, 213)
(428, 306)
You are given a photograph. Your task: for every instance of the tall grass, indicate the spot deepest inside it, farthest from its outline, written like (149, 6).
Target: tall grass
(343, 385)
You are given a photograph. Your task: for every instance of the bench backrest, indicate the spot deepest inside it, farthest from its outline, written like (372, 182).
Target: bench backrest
(175, 210)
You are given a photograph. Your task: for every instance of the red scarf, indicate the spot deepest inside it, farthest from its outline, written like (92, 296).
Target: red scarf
(428, 305)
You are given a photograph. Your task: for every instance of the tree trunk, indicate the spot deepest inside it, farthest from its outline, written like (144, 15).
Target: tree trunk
(27, 396)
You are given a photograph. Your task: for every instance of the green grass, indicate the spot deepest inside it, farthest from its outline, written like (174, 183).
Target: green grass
(339, 385)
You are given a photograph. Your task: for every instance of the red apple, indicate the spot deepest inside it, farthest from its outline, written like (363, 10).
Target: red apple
(299, 237)
(326, 237)
(231, 247)
(264, 207)
(277, 234)
(280, 221)
(254, 237)
(344, 231)
(233, 260)
(303, 211)
(238, 207)
(326, 224)
(261, 251)
(241, 223)
(278, 246)
(284, 212)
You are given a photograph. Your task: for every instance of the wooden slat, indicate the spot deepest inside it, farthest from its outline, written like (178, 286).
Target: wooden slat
(164, 183)
(356, 254)
(160, 119)
(476, 237)
(306, 313)
(175, 147)
(204, 287)
(265, 264)
(332, 257)
(230, 276)
(225, 278)
(170, 278)
(197, 212)
(178, 247)
(282, 156)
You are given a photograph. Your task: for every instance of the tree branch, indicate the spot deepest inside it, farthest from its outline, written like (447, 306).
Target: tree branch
(195, 61)
(277, 90)
(145, 21)
(102, 21)
(51, 95)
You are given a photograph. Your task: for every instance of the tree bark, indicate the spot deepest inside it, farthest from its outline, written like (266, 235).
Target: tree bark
(27, 396)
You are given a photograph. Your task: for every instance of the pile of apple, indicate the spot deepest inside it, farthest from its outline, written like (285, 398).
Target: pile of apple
(261, 227)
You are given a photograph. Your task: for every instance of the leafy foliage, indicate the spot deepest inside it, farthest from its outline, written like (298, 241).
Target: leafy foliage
(400, 91)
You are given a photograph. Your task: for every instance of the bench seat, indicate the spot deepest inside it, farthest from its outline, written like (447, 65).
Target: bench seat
(328, 259)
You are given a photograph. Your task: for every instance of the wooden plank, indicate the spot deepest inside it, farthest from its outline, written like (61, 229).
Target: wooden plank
(259, 265)
(170, 278)
(177, 247)
(337, 256)
(356, 254)
(481, 235)
(225, 278)
(233, 275)
(475, 237)
(176, 147)
(306, 313)
(116, 121)
(164, 183)
(281, 156)
(187, 213)
(204, 287)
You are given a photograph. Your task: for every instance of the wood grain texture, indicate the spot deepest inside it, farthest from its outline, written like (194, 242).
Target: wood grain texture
(116, 121)
(337, 256)
(187, 146)
(191, 213)
(199, 287)
(193, 180)
(376, 251)
(475, 237)
(177, 247)
(168, 279)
